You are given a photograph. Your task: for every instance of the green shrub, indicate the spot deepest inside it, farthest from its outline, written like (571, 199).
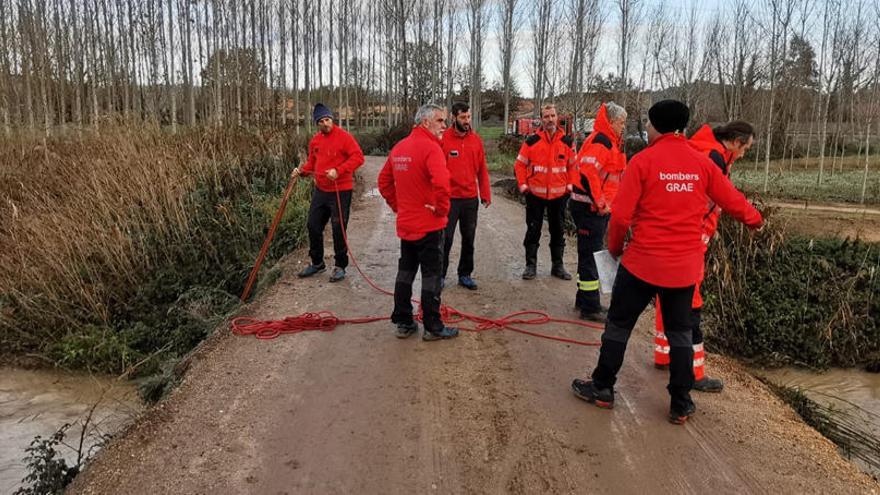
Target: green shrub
(776, 299)
(508, 144)
(48, 472)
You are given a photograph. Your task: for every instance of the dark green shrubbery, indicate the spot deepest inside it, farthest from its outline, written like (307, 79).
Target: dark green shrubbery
(776, 299)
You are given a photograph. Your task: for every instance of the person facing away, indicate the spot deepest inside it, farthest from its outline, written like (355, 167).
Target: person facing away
(542, 175)
(595, 181)
(468, 177)
(723, 145)
(334, 155)
(415, 183)
(663, 198)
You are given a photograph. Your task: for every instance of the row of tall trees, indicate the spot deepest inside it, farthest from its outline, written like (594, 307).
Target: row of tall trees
(805, 71)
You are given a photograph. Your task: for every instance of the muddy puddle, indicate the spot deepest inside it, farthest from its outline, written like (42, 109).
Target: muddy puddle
(852, 391)
(40, 402)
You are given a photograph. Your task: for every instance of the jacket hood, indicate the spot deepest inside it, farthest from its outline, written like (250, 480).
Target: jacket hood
(704, 140)
(603, 125)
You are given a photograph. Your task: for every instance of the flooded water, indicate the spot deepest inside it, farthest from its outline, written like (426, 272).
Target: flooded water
(854, 391)
(40, 402)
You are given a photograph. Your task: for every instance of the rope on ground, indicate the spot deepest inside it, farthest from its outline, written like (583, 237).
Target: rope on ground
(326, 321)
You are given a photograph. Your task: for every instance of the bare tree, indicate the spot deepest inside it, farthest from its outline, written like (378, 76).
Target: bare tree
(509, 23)
(586, 19)
(540, 25)
(630, 16)
(475, 22)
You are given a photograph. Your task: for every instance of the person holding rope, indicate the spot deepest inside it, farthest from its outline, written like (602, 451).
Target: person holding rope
(723, 145)
(415, 183)
(334, 155)
(663, 198)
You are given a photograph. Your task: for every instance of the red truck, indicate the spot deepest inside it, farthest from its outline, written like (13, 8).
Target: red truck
(526, 125)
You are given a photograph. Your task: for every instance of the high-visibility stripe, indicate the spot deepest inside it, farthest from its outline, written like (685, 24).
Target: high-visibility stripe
(558, 170)
(522, 159)
(557, 189)
(539, 168)
(698, 347)
(539, 189)
(661, 349)
(699, 362)
(588, 285)
(583, 198)
(589, 159)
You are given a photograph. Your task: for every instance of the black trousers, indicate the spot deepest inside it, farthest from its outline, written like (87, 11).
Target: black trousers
(427, 254)
(629, 298)
(462, 211)
(591, 229)
(323, 208)
(535, 207)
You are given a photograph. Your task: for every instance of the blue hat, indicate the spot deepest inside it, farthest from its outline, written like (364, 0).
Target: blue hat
(320, 112)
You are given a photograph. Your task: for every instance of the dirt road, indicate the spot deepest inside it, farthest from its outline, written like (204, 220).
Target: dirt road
(357, 410)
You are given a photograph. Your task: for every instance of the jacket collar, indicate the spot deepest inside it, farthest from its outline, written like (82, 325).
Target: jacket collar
(556, 135)
(669, 137)
(332, 132)
(452, 132)
(419, 131)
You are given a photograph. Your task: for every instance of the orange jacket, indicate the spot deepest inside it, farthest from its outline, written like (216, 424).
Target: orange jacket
(704, 141)
(544, 164)
(600, 165)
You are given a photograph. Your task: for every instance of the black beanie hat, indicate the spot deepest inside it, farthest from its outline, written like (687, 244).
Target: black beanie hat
(669, 116)
(320, 112)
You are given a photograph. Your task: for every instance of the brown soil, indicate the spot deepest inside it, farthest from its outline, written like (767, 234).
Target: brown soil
(831, 220)
(357, 410)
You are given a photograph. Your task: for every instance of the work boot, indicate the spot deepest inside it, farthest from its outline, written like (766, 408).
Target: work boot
(404, 330)
(681, 417)
(598, 316)
(444, 333)
(707, 384)
(338, 274)
(558, 269)
(531, 262)
(311, 270)
(586, 390)
(467, 282)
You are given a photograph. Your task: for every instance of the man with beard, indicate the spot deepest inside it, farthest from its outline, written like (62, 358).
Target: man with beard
(542, 175)
(415, 184)
(334, 155)
(466, 161)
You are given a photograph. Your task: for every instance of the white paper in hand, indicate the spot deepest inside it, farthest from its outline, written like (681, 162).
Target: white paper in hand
(607, 267)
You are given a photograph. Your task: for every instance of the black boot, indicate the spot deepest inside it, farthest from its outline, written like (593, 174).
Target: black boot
(558, 269)
(531, 262)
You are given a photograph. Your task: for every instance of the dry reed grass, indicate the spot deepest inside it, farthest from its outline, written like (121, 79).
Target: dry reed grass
(87, 216)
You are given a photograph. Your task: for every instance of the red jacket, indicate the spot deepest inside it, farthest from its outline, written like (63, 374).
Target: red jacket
(466, 162)
(663, 197)
(704, 141)
(338, 150)
(600, 165)
(543, 164)
(415, 175)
